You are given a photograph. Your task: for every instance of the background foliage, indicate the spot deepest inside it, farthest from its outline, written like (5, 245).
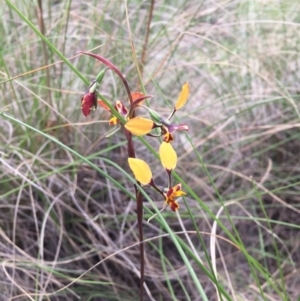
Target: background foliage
(67, 217)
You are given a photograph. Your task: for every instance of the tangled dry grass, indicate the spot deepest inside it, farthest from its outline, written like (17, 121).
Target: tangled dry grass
(68, 231)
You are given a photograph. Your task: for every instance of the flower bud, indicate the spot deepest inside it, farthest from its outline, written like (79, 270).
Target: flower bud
(89, 99)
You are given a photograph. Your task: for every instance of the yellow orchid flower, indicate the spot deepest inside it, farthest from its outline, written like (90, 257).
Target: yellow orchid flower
(183, 96)
(168, 156)
(174, 192)
(141, 170)
(139, 126)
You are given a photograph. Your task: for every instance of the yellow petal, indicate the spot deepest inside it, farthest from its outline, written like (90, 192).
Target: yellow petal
(167, 155)
(183, 96)
(179, 193)
(139, 126)
(141, 170)
(113, 121)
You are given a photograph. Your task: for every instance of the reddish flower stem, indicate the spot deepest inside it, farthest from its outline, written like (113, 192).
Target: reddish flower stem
(152, 184)
(139, 212)
(131, 154)
(111, 66)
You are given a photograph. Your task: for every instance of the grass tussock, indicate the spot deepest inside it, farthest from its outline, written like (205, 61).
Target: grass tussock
(67, 209)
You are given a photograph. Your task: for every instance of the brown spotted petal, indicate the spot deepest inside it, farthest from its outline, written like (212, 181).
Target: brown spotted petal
(174, 192)
(119, 106)
(168, 130)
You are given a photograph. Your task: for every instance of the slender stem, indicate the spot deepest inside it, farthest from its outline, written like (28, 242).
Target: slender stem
(139, 212)
(169, 175)
(111, 66)
(156, 188)
(42, 29)
(131, 154)
(171, 115)
(136, 104)
(145, 45)
(67, 12)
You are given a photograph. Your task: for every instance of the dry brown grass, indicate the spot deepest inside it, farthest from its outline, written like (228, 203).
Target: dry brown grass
(69, 232)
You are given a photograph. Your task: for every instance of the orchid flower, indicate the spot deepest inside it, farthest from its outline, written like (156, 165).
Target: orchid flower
(137, 125)
(142, 126)
(143, 174)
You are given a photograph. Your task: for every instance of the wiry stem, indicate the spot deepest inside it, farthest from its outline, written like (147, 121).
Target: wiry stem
(111, 66)
(139, 212)
(145, 45)
(42, 29)
(131, 154)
